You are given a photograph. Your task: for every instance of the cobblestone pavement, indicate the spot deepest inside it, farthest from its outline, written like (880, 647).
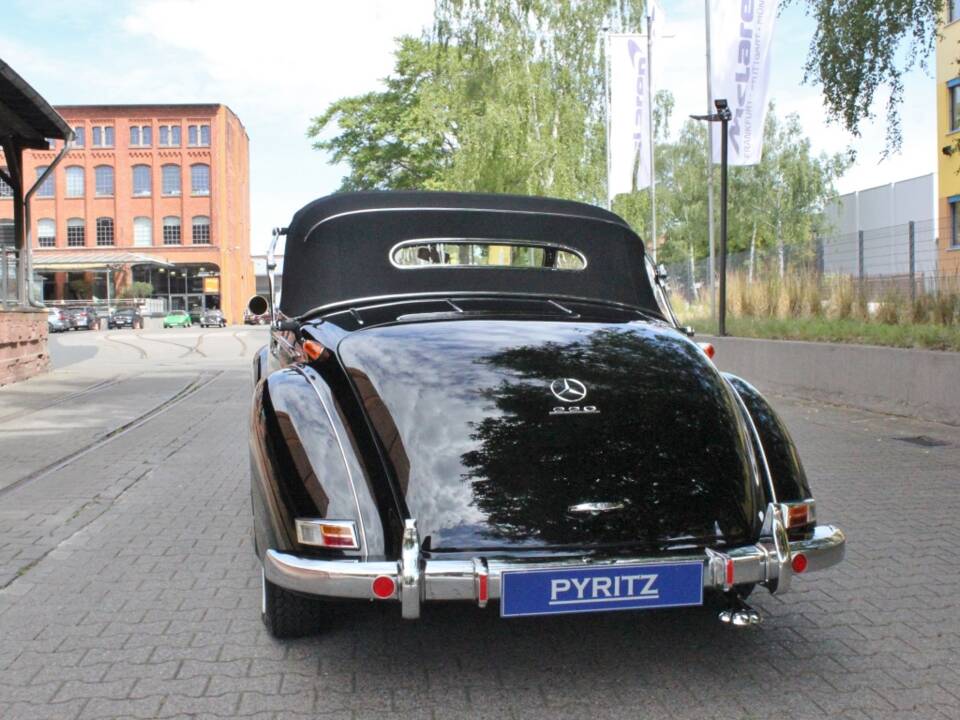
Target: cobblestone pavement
(147, 607)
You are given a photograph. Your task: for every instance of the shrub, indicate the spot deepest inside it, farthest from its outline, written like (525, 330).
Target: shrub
(890, 303)
(945, 306)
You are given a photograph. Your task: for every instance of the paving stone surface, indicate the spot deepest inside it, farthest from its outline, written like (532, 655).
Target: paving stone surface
(146, 604)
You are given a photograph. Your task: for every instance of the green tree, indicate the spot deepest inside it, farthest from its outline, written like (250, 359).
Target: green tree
(862, 46)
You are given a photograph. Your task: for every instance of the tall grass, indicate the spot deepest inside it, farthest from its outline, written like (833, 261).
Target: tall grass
(838, 307)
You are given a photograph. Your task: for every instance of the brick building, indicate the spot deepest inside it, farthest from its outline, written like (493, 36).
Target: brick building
(148, 193)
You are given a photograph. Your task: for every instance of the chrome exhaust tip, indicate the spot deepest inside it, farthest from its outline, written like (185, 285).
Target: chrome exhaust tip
(739, 614)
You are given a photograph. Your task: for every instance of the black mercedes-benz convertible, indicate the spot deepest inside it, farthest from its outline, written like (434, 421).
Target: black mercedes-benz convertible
(485, 398)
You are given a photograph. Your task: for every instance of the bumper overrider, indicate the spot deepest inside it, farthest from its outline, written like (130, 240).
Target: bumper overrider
(413, 580)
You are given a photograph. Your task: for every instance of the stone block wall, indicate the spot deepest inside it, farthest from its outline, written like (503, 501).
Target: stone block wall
(23, 344)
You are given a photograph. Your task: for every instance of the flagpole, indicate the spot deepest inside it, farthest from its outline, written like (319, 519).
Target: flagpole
(606, 107)
(713, 294)
(653, 178)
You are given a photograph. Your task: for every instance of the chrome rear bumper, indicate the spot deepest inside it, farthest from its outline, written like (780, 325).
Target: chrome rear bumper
(769, 563)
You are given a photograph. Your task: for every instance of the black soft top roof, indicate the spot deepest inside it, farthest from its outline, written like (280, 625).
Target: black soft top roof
(338, 248)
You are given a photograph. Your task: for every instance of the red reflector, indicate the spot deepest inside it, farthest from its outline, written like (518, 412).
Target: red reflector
(729, 572)
(799, 563)
(708, 349)
(483, 589)
(384, 587)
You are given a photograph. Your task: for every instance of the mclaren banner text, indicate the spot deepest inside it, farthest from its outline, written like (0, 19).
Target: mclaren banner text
(741, 37)
(628, 144)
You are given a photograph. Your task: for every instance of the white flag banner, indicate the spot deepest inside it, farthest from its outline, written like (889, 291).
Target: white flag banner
(628, 144)
(741, 35)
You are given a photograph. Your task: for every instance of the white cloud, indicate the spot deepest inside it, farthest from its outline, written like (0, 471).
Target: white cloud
(277, 69)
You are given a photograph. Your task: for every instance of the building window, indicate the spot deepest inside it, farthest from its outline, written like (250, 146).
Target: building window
(76, 233)
(198, 135)
(142, 232)
(142, 180)
(954, 10)
(45, 190)
(141, 135)
(78, 136)
(103, 136)
(170, 136)
(104, 231)
(200, 179)
(103, 180)
(171, 230)
(954, 91)
(51, 144)
(74, 181)
(5, 190)
(171, 179)
(954, 224)
(46, 233)
(201, 230)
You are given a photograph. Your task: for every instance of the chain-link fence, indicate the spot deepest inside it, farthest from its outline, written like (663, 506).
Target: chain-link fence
(898, 264)
(907, 257)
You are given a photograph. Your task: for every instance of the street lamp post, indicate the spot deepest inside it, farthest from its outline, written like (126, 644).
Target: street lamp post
(722, 116)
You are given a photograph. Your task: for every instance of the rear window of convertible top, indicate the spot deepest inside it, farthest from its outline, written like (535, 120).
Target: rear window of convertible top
(479, 253)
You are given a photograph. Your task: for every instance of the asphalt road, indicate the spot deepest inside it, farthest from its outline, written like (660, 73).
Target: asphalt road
(130, 588)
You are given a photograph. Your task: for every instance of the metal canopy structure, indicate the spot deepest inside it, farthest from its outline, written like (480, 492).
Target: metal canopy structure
(101, 260)
(27, 122)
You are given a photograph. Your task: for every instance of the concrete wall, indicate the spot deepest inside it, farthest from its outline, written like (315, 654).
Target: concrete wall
(918, 383)
(23, 344)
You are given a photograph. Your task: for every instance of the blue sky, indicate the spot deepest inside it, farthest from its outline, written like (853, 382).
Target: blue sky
(281, 63)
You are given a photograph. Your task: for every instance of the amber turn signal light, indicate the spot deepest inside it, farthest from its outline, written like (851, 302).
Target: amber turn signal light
(315, 351)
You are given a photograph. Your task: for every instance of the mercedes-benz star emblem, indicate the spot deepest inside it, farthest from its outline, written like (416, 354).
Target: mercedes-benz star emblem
(568, 390)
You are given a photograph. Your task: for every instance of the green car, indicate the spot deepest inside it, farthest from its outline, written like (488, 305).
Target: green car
(177, 318)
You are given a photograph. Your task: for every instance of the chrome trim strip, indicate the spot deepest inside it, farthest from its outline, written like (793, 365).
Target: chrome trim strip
(433, 580)
(346, 464)
(486, 241)
(755, 434)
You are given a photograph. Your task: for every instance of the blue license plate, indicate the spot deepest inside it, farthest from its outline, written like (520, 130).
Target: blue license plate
(601, 589)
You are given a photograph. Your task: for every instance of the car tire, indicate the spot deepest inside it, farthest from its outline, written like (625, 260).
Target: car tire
(288, 615)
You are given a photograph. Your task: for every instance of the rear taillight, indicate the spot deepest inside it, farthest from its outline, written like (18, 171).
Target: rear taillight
(708, 349)
(800, 515)
(339, 534)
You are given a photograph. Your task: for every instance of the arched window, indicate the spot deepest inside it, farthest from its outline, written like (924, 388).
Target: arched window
(199, 179)
(142, 180)
(103, 180)
(46, 232)
(76, 232)
(171, 230)
(45, 190)
(74, 181)
(104, 231)
(142, 232)
(201, 230)
(171, 179)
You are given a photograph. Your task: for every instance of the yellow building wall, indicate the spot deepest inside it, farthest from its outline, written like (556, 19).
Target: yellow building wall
(948, 52)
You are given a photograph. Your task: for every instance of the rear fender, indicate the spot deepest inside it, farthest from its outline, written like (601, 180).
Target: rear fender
(787, 474)
(303, 465)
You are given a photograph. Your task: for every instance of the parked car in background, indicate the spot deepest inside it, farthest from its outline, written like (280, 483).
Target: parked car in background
(82, 318)
(56, 321)
(212, 318)
(126, 318)
(250, 318)
(177, 318)
(489, 400)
